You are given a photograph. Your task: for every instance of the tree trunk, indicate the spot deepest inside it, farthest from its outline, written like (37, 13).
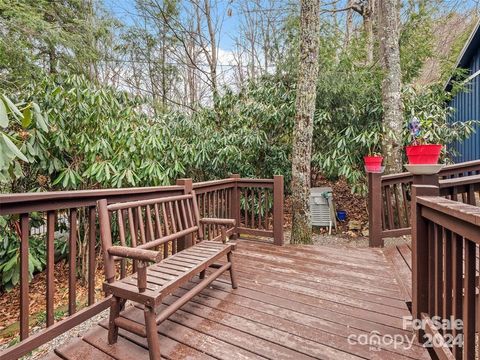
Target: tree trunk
(349, 25)
(389, 24)
(213, 49)
(303, 131)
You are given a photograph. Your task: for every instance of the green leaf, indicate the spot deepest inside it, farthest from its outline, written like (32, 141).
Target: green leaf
(3, 115)
(13, 148)
(39, 118)
(12, 107)
(27, 117)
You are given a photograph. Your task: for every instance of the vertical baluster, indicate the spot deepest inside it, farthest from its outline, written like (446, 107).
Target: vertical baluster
(447, 275)
(215, 203)
(469, 300)
(131, 223)
(224, 203)
(183, 208)
(388, 194)
(383, 207)
(455, 193)
(158, 226)
(398, 207)
(229, 204)
(406, 206)
(167, 230)
(259, 207)
(214, 210)
(174, 226)
(24, 276)
(206, 197)
(188, 205)
(92, 239)
(245, 199)
(141, 224)
(432, 232)
(148, 214)
(471, 195)
(179, 216)
(438, 245)
(123, 242)
(133, 234)
(50, 266)
(266, 194)
(252, 209)
(219, 203)
(72, 263)
(204, 212)
(209, 207)
(457, 288)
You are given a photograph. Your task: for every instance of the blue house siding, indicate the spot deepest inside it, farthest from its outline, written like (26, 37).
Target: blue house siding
(467, 103)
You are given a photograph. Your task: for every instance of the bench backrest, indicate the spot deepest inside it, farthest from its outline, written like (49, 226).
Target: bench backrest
(155, 224)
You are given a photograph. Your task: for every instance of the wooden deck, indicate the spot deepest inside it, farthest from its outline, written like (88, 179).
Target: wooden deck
(292, 303)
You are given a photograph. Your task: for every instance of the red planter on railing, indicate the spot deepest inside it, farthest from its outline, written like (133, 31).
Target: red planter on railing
(423, 154)
(373, 163)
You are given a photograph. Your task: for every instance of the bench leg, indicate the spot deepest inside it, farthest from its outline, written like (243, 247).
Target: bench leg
(115, 306)
(202, 274)
(233, 275)
(152, 336)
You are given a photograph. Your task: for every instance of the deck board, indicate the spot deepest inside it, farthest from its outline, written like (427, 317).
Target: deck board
(292, 303)
(400, 256)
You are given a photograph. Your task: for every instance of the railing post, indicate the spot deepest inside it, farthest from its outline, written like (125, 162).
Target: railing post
(185, 241)
(426, 180)
(375, 238)
(420, 248)
(278, 210)
(235, 205)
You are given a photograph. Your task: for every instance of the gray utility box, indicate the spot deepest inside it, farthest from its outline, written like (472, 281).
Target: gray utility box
(320, 207)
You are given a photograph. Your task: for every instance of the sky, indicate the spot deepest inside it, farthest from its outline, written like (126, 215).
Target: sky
(125, 9)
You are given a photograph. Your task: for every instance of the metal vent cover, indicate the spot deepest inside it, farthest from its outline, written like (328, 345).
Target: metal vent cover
(319, 207)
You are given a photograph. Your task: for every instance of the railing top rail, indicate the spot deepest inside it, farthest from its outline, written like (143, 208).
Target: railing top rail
(464, 180)
(396, 176)
(454, 209)
(80, 194)
(203, 184)
(131, 204)
(407, 176)
(259, 181)
(461, 165)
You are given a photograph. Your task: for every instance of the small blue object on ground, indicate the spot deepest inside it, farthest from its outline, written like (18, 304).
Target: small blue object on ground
(341, 215)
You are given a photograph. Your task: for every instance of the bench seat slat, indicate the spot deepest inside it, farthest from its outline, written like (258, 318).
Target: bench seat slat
(186, 268)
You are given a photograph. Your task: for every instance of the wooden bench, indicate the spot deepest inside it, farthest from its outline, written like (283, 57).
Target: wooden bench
(149, 232)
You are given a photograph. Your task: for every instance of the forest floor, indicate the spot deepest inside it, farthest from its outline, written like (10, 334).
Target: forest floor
(356, 224)
(10, 302)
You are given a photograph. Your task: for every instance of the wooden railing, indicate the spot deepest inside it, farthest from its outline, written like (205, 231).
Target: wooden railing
(445, 240)
(256, 204)
(389, 198)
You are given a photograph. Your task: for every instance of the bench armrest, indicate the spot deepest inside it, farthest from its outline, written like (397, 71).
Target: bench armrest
(135, 254)
(216, 221)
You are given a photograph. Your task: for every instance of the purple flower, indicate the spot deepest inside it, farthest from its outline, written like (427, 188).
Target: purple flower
(415, 127)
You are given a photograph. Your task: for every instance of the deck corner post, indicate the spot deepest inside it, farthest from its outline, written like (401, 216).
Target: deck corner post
(278, 210)
(186, 241)
(235, 205)
(375, 238)
(420, 248)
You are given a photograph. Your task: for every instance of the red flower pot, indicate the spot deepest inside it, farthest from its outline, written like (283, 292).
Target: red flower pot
(373, 163)
(423, 154)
